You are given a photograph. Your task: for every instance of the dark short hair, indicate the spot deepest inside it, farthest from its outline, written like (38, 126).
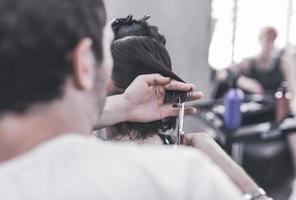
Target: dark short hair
(138, 49)
(36, 39)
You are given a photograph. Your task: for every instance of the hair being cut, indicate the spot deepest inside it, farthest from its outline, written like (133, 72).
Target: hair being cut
(139, 49)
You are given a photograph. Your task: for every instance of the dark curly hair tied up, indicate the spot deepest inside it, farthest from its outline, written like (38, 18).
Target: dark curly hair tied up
(138, 48)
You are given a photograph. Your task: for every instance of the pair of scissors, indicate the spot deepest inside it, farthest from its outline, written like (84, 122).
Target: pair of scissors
(180, 131)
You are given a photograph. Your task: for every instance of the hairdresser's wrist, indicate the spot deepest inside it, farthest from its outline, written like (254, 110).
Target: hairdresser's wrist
(115, 111)
(119, 107)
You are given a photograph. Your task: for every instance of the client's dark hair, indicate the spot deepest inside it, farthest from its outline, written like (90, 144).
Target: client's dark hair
(138, 49)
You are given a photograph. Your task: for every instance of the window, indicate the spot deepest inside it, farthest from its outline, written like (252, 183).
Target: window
(220, 52)
(238, 23)
(292, 23)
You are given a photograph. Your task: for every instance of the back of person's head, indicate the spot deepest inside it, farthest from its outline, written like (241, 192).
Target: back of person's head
(36, 43)
(139, 49)
(268, 33)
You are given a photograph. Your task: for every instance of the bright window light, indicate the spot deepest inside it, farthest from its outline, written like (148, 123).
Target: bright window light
(251, 17)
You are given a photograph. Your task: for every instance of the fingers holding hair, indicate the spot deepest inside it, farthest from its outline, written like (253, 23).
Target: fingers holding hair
(172, 85)
(154, 79)
(179, 86)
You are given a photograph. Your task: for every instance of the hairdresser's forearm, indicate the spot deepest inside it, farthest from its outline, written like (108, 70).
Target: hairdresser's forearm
(219, 157)
(114, 111)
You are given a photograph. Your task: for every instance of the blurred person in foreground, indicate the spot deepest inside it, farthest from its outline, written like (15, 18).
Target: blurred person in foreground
(55, 66)
(263, 73)
(290, 61)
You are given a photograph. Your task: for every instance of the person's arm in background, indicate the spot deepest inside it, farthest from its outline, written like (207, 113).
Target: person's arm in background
(288, 63)
(209, 147)
(244, 82)
(143, 101)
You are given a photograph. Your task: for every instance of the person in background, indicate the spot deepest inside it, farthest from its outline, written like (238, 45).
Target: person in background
(263, 73)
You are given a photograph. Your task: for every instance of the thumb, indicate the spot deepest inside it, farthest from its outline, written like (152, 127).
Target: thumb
(187, 139)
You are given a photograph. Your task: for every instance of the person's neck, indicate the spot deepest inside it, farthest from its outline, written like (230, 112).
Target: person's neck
(266, 52)
(21, 132)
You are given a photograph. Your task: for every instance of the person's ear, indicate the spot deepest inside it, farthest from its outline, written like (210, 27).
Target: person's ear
(84, 63)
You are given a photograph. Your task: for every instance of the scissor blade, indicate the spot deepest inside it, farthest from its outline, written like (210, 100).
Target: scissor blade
(181, 117)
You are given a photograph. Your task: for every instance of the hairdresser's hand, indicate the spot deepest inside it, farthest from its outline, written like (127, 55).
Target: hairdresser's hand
(201, 141)
(208, 146)
(144, 98)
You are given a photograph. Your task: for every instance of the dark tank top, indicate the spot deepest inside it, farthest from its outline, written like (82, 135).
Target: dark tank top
(270, 79)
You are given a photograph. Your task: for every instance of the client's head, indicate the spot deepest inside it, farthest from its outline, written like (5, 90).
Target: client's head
(138, 49)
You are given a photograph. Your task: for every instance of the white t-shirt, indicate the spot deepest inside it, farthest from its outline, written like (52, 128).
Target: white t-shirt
(293, 194)
(74, 167)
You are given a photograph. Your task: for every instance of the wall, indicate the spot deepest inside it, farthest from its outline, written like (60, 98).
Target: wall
(186, 25)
